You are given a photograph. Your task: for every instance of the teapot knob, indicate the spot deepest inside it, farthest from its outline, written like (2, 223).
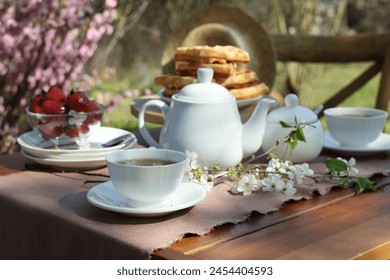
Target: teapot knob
(291, 100)
(205, 75)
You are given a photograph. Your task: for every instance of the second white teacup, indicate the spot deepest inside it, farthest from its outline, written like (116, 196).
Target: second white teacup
(147, 177)
(355, 126)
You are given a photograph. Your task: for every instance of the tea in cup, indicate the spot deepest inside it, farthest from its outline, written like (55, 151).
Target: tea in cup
(355, 126)
(147, 177)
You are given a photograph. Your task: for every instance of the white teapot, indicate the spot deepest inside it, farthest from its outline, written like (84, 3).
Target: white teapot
(290, 114)
(203, 117)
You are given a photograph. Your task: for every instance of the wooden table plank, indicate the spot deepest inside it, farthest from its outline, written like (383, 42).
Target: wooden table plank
(342, 230)
(380, 252)
(194, 244)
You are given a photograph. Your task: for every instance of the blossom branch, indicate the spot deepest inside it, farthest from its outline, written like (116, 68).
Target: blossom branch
(278, 176)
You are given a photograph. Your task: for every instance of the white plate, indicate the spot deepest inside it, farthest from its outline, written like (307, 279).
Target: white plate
(240, 103)
(106, 197)
(32, 143)
(246, 102)
(164, 98)
(382, 144)
(86, 163)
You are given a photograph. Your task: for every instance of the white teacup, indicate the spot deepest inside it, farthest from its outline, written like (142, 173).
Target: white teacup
(147, 177)
(355, 126)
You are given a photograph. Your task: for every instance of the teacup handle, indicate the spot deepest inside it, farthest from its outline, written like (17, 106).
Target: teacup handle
(141, 119)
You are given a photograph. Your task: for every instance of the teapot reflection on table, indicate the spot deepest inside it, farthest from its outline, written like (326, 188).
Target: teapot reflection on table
(203, 118)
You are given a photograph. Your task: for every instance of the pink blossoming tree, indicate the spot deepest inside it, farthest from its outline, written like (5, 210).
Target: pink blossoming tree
(44, 43)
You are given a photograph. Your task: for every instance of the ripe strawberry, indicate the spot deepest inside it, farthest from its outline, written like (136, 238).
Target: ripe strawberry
(51, 129)
(92, 106)
(36, 104)
(53, 107)
(92, 118)
(55, 93)
(71, 130)
(84, 128)
(78, 101)
(74, 130)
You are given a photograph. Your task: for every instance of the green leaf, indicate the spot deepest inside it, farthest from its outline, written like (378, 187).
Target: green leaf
(293, 141)
(362, 184)
(365, 184)
(336, 165)
(285, 125)
(300, 135)
(343, 182)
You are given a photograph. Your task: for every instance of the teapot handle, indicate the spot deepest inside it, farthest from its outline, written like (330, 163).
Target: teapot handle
(141, 119)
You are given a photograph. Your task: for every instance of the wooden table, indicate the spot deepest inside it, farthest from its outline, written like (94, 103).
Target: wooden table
(339, 225)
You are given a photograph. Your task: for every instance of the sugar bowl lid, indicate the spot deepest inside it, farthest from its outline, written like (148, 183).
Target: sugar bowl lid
(292, 112)
(204, 90)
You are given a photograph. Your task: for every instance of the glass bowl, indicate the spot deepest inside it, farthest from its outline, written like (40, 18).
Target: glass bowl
(74, 127)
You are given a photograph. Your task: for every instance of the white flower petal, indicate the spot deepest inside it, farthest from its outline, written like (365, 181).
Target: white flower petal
(247, 192)
(352, 162)
(290, 191)
(234, 190)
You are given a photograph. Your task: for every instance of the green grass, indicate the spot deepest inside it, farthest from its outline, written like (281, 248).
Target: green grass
(121, 116)
(335, 77)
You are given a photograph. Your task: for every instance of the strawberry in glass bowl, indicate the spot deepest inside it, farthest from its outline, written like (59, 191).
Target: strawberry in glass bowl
(64, 118)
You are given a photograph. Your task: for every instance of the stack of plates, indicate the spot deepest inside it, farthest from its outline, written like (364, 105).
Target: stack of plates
(41, 151)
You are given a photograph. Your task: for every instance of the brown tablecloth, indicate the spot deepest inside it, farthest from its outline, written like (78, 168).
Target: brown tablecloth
(45, 215)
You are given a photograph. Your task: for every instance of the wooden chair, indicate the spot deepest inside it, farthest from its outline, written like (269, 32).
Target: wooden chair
(342, 49)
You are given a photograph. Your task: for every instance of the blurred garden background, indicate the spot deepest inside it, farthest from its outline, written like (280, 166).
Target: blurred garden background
(112, 49)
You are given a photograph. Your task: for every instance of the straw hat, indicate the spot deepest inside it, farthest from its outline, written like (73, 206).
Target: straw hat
(222, 25)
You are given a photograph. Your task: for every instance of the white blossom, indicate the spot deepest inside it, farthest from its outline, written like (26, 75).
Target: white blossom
(247, 184)
(298, 172)
(187, 175)
(281, 176)
(289, 188)
(352, 171)
(272, 183)
(202, 176)
(193, 159)
(275, 165)
(308, 171)
(205, 183)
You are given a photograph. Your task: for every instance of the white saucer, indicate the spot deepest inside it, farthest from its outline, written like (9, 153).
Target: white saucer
(32, 143)
(85, 163)
(106, 197)
(247, 102)
(382, 144)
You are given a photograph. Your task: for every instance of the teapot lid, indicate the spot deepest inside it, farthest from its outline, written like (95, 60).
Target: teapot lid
(291, 112)
(204, 90)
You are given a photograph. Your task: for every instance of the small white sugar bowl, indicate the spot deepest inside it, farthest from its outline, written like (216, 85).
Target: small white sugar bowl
(291, 114)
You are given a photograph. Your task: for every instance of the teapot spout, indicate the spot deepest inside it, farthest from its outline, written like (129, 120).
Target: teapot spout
(253, 130)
